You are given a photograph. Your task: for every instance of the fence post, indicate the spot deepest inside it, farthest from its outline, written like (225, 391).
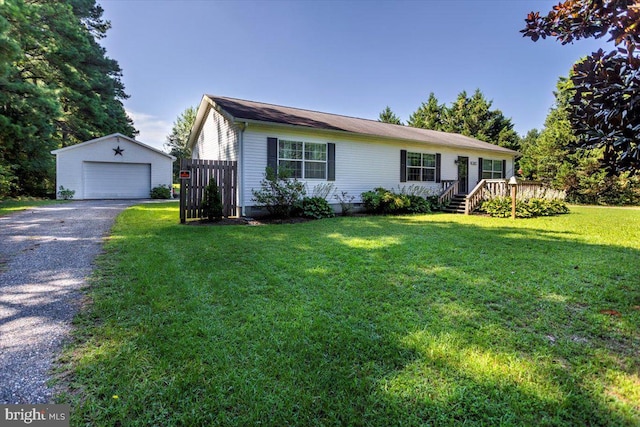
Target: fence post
(183, 194)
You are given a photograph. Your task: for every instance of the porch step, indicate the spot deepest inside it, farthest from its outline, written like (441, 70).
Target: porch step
(456, 205)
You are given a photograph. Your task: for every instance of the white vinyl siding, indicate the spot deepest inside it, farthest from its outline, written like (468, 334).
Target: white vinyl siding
(71, 172)
(104, 180)
(361, 163)
(217, 140)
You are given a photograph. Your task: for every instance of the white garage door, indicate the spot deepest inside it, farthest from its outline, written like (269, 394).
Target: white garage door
(116, 180)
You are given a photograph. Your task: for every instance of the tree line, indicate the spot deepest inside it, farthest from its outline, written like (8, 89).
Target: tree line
(551, 155)
(467, 115)
(57, 88)
(589, 145)
(556, 156)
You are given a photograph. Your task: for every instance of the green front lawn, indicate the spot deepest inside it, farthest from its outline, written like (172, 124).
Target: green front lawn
(10, 205)
(383, 321)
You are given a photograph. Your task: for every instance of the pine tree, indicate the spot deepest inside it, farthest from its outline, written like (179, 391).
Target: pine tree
(27, 107)
(429, 115)
(553, 158)
(178, 138)
(58, 86)
(544, 157)
(388, 116)
(470, 116)
(527, 163)
(212, 202)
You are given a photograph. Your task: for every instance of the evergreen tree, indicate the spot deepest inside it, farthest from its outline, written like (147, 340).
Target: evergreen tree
(544, 158)
(58, 87)
(553, 158)
(179, 136)
(212, 202)
(9, 49)
(455, 116)
(429, 115)
(91, 90)
(470, 116)
(388, 116)
(506, 136)
(27, 106)
(527, 163)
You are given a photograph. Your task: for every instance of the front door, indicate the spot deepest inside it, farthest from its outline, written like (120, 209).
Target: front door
(463, 175)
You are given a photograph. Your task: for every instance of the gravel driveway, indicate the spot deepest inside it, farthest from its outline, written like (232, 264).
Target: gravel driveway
(46, 254)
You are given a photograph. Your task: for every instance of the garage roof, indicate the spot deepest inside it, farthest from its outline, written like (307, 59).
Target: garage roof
(113, 135)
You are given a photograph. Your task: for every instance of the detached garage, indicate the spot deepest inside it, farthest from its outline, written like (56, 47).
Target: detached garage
(112, 167)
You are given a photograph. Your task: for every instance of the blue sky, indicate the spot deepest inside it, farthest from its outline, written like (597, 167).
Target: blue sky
(343, 57)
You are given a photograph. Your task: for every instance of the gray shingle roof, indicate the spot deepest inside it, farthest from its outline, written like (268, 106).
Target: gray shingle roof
(241, 109)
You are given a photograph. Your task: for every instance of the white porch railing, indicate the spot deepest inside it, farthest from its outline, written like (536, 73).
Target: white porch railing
(449, 189)
(489, 188)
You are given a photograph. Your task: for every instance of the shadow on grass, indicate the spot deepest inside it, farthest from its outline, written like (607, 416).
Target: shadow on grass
(362, 321)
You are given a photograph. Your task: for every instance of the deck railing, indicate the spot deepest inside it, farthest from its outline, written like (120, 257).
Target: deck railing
(474, 198)
(449, 189)
(489, 188)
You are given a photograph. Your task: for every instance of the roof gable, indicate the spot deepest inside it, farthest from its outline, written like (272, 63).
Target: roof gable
(108, 137)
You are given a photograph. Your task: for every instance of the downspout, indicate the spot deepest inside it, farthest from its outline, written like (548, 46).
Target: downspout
(241, 128)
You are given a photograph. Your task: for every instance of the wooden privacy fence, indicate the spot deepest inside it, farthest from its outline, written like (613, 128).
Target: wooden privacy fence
(192, 189)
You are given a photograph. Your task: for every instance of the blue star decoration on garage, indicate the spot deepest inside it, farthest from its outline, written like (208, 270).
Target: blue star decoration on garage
(118, 151)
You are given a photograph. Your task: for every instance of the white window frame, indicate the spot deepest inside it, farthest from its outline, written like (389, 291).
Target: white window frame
(306, 158)
(422, 167)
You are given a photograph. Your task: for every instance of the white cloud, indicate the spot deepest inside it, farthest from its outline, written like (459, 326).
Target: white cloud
(153, 130)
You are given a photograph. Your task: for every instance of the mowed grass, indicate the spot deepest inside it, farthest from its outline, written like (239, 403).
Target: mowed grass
(374, 321)
(9, 206)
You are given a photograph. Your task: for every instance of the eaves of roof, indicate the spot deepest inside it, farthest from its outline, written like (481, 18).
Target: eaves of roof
(276, 115)
(106, 137)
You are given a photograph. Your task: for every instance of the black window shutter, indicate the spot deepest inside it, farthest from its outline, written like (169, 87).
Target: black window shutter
(480, 169)
(403, 165)
(272, 154)
(331, 161)
(504, 168)
(438, 166)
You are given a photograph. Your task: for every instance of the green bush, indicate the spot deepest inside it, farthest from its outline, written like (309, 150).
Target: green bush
(278, 193)
(500, 207)
(383, 201)
(418, 204)
(161, 192)
(316, 207)
(212, 202)
(65, 193)
(7, 181)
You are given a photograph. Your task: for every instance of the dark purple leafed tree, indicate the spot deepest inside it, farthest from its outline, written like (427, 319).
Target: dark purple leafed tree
(605, 108)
